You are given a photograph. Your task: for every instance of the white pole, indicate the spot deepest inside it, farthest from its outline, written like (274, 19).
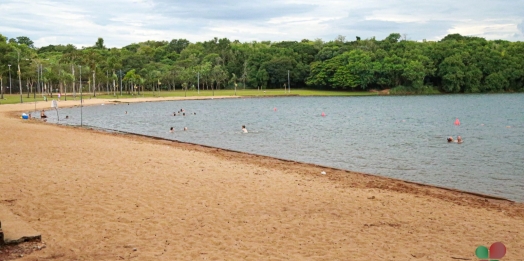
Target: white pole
(288, 82)
(10, 86)
(81, 102)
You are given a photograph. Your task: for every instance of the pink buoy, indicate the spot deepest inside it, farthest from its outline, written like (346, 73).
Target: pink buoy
(323, 114)
(457, 122)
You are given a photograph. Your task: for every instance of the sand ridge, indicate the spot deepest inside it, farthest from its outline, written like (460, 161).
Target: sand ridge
(101, 196)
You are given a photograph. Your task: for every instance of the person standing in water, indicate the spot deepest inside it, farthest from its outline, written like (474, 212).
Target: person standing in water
(172, 130)
(244, 130)
(459, 139)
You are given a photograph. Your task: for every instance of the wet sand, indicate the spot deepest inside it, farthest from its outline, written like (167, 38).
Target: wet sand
(104, 196)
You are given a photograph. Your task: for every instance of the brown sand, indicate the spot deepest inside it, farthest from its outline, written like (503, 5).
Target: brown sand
(101, 196)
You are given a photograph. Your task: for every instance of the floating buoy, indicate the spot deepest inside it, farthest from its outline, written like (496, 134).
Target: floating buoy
(323, 114)
(457, 122)
(275, 109)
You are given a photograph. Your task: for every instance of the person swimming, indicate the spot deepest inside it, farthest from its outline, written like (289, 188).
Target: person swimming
(450, 139)
(459, 139)
(244, 130)
(172, 130)
(185, 128)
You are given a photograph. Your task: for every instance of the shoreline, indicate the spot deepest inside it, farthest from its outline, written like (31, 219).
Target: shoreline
(472, 193)
(98, 195)
(94, 102)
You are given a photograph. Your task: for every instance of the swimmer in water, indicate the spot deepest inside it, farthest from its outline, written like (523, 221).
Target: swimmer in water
(172, 130)
(450, 139)
(185, 128)
(459, 139)
(244, 130)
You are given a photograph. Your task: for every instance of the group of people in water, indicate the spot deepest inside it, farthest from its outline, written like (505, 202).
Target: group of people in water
(183, 112)
(458, 140)
(172, 129)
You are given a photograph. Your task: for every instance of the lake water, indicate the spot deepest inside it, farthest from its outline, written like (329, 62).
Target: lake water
(396, 136)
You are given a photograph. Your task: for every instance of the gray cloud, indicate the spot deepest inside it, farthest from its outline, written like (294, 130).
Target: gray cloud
(230, 9)
(121, 22)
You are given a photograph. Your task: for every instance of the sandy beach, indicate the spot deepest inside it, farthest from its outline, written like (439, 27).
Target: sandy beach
(105, 196)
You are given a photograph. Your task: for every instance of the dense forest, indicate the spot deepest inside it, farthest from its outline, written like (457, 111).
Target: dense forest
(456, 64)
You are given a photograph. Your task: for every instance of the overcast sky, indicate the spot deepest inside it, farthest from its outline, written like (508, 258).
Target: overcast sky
(121, 22)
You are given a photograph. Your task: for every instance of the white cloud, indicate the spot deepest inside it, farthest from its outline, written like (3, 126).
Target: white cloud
(122, 22)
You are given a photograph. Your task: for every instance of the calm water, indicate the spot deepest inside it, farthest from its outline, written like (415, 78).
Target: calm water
(400, 137)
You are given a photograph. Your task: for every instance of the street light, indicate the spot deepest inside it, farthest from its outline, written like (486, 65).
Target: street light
(19, 77)
(120, 82)
(9, 78)
(81, 102)
(40, 85)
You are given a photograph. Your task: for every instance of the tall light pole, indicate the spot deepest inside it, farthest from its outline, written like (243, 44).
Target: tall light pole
(198, 82)
(1, 89)
(73, 72)
(20, 78)
(9, 79)
(288, 82)
(41, 90)
(120, 82)
(81, 102)
(107, 82)
(94, 85)
(37, 81)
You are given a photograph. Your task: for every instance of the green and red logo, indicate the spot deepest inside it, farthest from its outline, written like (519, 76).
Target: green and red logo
(495, 252)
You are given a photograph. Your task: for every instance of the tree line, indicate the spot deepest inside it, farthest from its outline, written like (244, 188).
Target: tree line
(455, 64)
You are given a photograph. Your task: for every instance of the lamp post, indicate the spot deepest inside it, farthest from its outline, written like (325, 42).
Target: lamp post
(37, 82)
(20, 78)
(288, 82)
(120, 82)
(81, 120)
(41, 88)
(9, 78)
